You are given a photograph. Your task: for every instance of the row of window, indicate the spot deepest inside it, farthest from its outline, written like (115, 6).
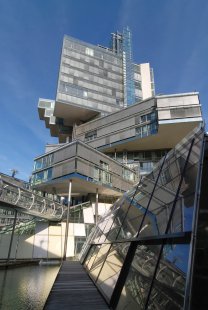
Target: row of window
(73, 90)
(137, 68)
(92, 52)
(138, 98)
(91, 135)
(6, 212)
(128, 175)
(142, 131)
(138, 85)
(138, 155)
(93, 70)
(82, 80)
(150, 117)
(102, 176)
(43, 162)
(185, 112)
(96, 62)
(146, 130)
(100, 80)
(6, 221)
(137, 76)
(78, 91)
(42, 176)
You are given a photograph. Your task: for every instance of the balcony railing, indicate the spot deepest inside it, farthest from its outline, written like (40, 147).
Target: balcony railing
(28, 202)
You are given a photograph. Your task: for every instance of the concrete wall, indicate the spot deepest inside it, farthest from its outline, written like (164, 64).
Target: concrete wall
(115, 127)
(184, 106)
(146, 80)
(46, 243)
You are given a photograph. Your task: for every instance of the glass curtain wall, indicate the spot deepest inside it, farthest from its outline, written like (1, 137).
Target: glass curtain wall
(138, 256)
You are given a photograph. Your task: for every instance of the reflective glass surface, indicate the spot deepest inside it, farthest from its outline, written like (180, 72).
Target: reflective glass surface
(162, 204)
(111, 268)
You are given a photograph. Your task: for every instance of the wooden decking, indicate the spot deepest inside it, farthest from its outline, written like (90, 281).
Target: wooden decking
(73, 289)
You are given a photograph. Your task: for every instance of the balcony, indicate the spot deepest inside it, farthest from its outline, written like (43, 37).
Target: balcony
(86, 167)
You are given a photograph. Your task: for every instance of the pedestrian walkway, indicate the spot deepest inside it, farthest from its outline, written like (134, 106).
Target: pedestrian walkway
(73, 289)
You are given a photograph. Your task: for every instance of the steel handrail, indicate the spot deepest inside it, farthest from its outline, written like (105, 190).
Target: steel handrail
(18, 197)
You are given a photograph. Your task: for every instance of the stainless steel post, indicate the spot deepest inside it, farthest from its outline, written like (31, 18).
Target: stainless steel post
(67, 220)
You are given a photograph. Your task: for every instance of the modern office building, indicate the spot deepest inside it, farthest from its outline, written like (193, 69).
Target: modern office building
(129, 164)
(111, 127)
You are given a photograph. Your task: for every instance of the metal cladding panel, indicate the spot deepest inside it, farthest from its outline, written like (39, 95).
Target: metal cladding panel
(110, 120)
(88, 154)
(116, 168)
(95, 158)
(91, 104)
(117, 182)
(84, 168)
(117, 126)
(174, 101)
(184, 107)
(65, 153)
(64, 169)
(120, 183)
(122, 135)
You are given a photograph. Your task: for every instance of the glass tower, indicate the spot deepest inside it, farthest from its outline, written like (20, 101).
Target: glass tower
(121, 44)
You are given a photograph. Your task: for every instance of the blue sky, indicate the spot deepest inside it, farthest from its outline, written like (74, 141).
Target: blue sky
(170, 34)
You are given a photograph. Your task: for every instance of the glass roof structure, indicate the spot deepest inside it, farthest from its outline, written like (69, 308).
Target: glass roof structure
(141, 253)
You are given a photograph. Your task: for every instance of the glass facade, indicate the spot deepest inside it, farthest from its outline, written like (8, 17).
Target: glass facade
(89, 73)
(138, 256)
(128, 68)
(42, 176)
(44, 162)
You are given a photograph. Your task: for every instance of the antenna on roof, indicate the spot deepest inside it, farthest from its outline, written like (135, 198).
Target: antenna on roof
(14, 172)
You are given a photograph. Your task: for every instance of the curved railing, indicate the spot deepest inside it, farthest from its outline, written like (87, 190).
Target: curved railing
(30, 202)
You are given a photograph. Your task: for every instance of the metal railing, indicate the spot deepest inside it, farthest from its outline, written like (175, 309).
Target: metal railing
(26, 201)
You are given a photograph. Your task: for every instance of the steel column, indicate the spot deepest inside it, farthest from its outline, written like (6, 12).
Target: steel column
(67, 220)
(12, 236)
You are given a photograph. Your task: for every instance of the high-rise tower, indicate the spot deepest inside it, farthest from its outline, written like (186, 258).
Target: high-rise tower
(96, 81)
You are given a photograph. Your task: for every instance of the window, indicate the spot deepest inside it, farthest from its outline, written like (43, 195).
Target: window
(42, 176)
(89, 51)
(91, 135)
(44, 162)
(148, 117)
(146, 130)
(102, 174)
(138, 85)
(104, 165)
(146, 166)
(85, 94)
(128, 175)
(71, 89)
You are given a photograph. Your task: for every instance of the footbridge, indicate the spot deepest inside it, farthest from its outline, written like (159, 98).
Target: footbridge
(26, 201)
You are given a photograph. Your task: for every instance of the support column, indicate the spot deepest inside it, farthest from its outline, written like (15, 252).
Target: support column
(67, 220)
(12, 236)
(96, 207)
(115, 155)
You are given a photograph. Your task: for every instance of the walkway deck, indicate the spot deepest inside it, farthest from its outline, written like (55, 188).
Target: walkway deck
(73, 289)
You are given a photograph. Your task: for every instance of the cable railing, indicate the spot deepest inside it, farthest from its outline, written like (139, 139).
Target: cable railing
(29, 202)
